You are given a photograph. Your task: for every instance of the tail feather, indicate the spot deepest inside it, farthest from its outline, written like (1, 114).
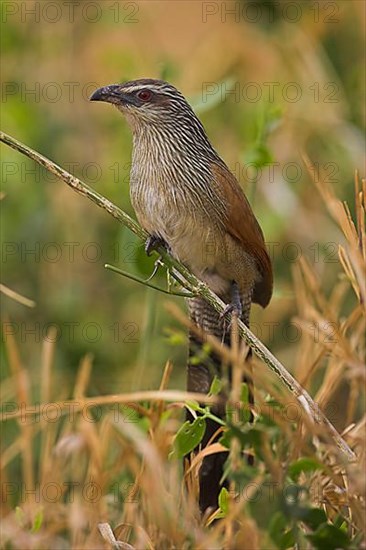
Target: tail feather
(202, 367)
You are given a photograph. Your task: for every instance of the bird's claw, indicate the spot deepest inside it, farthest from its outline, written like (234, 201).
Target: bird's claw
(234, 307)
(153, 242)
(230, 309)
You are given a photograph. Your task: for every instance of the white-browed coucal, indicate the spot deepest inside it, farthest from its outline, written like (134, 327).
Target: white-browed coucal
(185, 196)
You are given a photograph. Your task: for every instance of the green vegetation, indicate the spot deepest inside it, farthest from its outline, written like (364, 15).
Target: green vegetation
(280, 94)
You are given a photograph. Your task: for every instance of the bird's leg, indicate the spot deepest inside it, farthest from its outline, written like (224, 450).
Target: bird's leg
(153, 242)
(235, 306)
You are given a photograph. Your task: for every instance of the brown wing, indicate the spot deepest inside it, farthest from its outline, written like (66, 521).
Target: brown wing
(243, 226)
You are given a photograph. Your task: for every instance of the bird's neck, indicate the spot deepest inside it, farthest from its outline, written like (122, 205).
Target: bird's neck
(163, 160)
(173, 140)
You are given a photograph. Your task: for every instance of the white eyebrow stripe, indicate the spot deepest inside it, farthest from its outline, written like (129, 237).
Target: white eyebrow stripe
(141, 87)
(132, 88)
(166, 90)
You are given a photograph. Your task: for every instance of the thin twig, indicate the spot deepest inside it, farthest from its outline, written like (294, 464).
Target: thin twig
(146, 282)
(16, 296)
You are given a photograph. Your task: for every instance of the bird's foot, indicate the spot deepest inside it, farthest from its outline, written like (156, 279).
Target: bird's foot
(234, 307)
(153, 242)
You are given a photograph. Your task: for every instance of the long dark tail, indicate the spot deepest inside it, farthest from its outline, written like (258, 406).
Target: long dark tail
(201, 370)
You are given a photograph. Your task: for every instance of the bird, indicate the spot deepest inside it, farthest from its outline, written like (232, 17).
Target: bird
(187, 199)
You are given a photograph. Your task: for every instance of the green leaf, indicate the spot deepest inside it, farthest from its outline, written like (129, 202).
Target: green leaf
(304, 464)
(328, 537)
(188, 437)
(224, 501)
(216, 386)
(194, 405)
(340, 522)
(314, 518)
(280, 533)
(38, 520)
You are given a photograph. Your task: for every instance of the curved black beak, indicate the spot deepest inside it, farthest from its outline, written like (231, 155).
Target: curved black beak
(110, 94)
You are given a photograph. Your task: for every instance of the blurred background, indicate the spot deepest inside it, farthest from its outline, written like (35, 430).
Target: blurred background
(271, 81)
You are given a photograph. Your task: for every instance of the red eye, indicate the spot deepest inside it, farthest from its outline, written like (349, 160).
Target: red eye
(145, 95)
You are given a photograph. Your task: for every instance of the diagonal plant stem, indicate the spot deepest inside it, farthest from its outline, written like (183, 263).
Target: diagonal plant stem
(146, 282)
(192, 284)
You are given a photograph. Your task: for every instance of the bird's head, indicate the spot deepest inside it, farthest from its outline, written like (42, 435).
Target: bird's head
(145, 101)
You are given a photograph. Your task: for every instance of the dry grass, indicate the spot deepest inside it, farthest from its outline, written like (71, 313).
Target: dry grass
(71, 469)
